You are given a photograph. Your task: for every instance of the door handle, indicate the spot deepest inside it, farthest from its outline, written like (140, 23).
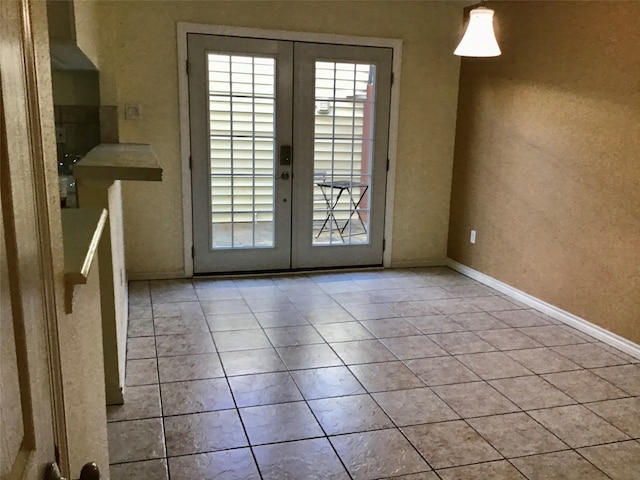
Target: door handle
(285, 176)
(89, 472)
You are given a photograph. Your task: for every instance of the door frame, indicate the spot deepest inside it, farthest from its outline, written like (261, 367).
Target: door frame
(184, 28)
(33, 205)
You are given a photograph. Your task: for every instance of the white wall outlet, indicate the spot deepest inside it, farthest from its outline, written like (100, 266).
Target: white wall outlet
(132, 111)
(472, 237)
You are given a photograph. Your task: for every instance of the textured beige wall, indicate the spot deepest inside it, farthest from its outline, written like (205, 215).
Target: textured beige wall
(87, 17)
(75, 88)
(83, 364)
(138, 62)
(547, 163)
(98, 193)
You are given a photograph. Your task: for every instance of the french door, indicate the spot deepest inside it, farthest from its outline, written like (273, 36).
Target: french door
(289, 153)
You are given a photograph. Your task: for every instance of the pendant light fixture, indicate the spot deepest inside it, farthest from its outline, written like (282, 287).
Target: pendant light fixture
(479, 40)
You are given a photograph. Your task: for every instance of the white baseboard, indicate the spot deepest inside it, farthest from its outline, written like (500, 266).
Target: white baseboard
(610, 338)
(443, 262)
(155, 275)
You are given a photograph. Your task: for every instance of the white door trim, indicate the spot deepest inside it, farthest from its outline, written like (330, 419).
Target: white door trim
(185, 134)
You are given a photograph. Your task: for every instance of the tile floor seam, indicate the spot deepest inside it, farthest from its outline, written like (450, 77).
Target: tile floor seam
(540, 374)
(622, 360)
(593, 464)
(325, 343)
(404, 436)
(613, 442)
(462, 417)
(134, 419)
(538, 409)
(398, 427)
(586, 368)
(244, 429)
(236, 409)
(327, 436)
(509, 459)
(546, 453)
(263, 329)
(603, 378)
(155, 343)
(193, 454)
(479, 463)
(483, 438)
(575, 399)
(582, 404)
(169, 473)
(531, 374)
(631, 437)
(370, 392)
(547, 430)
(518, 470)
(577, 450)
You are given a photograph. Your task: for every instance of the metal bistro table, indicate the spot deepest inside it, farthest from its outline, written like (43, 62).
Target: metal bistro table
(341, 186)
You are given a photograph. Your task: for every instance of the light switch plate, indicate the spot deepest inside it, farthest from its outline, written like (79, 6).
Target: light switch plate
(132, 111)
(61, 135)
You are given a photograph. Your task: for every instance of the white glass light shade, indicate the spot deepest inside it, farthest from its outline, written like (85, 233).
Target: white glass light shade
(479, 40)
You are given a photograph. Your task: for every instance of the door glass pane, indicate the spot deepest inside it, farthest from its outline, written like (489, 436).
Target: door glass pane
(343, 152)
(241, 132)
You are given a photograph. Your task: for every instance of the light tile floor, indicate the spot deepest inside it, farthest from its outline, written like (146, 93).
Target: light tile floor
(418, 374)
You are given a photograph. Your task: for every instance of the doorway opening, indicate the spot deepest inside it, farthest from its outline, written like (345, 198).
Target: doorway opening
(288, 153)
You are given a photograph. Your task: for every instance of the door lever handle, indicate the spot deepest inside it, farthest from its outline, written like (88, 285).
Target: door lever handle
(89, 472)
(285, 176)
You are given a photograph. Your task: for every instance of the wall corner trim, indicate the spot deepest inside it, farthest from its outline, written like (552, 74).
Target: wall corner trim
(115, 395)
(610, 338)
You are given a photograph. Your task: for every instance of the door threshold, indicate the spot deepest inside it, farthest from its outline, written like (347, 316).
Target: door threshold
(288, 272)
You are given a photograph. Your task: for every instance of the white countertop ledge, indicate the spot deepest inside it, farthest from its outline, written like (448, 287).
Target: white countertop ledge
(81, 232)
(119, 161)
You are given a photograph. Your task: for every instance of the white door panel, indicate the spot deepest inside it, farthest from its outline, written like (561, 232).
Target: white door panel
(342, 125)
(258, 206)
(238, 87)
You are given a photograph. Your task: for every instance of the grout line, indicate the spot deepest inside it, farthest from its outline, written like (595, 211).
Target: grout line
(570, 447)
(590, 462)
(288, 371)
(327, 437)
(164, 430)
(236, 409)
